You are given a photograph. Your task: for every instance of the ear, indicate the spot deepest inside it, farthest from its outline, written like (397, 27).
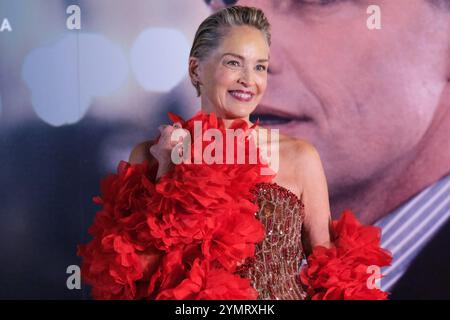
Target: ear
(194, 70)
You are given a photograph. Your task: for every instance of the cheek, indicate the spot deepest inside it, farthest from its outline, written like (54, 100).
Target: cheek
(401, 99)
(263, 86)
(261, 82)
(225, 78)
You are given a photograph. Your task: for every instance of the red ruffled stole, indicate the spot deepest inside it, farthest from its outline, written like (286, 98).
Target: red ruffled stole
(349, 270)
(182, 237)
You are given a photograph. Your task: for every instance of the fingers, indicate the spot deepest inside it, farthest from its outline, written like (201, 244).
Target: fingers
(167, 131)
(168, 141)
(163, 128)
(165, 140)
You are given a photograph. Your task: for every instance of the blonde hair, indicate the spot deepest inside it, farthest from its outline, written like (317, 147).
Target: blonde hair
(214, 28)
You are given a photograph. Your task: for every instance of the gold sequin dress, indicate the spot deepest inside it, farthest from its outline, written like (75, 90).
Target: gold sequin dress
(278, 258)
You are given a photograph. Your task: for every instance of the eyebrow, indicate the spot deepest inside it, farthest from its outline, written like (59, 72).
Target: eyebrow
(241, 57)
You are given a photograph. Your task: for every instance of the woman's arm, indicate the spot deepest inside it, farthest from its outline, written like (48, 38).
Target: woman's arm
(354, 250)
(314, 195)
(156, 154)
(141, 153)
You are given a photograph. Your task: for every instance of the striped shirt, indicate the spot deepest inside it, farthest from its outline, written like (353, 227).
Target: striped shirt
(407, 229)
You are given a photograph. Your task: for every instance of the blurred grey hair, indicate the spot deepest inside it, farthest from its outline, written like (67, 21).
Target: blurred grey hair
(215, 27)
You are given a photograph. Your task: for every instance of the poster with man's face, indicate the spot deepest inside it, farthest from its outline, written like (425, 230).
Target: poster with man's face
(367, 82)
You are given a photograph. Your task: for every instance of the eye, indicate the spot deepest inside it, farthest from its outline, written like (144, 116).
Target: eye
(233, 63)
(263, 68)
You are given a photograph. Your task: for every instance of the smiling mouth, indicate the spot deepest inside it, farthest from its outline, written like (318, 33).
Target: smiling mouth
(271, 119)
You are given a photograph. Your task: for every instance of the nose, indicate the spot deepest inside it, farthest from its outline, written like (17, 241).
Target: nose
(246, 78)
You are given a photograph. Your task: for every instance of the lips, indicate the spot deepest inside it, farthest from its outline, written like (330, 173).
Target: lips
(241, 95)
(273, 116)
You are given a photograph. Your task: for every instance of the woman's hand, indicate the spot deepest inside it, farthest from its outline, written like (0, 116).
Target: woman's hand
(162, 151)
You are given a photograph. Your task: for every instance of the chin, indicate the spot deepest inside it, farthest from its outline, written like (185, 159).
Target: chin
(242, 111)
(239, 114)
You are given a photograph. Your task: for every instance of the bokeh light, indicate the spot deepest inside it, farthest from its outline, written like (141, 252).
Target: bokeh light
(159, 58)
(65, 76)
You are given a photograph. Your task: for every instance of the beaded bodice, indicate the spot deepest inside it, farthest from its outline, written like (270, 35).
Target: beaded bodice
(274, 271)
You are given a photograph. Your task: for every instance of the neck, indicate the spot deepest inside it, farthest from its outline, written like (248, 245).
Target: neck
(228, 120)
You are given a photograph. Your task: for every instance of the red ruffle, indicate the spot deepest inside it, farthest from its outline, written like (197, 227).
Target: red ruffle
(180, 238)
(204, 282)
(346, 271)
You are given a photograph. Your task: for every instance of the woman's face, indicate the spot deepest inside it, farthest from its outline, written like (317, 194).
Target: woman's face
(233, 78)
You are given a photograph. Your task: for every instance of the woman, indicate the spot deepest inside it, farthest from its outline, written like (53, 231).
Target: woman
(237, 254)
(216, 70)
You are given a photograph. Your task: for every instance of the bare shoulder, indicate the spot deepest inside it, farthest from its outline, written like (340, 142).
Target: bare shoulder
(141, 152)
(293, 151)
(307, 157)
(309, 170)
(305, 149)
(303, 160)
(299, 151)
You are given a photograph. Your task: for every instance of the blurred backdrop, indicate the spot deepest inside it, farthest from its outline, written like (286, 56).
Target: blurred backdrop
(82, 82)
(73, 102)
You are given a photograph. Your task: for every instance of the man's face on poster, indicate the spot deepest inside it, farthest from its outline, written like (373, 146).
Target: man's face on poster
(363, 97)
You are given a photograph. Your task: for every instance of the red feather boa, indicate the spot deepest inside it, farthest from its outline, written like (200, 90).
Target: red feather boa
(344, 271)
(182, 237)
